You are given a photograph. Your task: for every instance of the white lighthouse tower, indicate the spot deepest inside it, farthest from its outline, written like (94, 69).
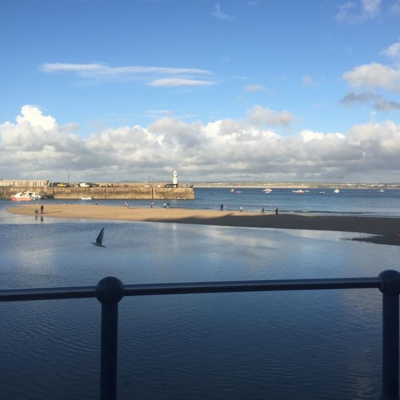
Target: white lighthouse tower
(175, 179)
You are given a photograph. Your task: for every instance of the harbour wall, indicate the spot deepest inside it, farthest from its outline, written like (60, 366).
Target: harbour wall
(108, 192)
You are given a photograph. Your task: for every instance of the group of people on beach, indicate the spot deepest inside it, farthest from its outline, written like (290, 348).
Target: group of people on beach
(41, 210)
(223, 207)
(276, 211)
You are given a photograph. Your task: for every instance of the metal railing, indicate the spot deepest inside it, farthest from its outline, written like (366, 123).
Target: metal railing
(109, 291)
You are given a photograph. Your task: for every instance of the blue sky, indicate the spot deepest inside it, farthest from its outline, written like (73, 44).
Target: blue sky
(218, 90)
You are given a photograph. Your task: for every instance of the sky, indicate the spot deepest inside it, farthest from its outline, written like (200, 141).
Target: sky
(218, 90)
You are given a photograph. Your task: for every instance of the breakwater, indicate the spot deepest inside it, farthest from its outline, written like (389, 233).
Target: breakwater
(123, 192)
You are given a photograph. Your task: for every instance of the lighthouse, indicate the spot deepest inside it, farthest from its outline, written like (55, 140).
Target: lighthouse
(175, 179)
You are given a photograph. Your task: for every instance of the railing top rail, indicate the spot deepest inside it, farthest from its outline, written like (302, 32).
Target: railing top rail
(192, 288)
(47, 293)
(251, 286)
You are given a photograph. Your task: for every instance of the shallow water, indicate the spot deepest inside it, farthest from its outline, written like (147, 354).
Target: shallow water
(277, 345)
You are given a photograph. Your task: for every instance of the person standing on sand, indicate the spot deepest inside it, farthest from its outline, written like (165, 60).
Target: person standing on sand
(262, 210)
(222, 207)
(41, 209)
(151, 204)
(241, 208)
(276, 211)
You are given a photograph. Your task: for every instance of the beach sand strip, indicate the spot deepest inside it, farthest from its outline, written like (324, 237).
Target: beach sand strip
(385, 230)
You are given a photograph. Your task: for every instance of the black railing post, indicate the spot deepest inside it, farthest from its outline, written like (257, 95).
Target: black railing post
(109, 291)
(390, 338)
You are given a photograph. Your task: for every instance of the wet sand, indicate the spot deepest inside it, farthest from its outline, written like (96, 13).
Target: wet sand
(385, 230)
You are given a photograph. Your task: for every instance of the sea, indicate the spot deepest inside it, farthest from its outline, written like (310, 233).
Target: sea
(274, 345)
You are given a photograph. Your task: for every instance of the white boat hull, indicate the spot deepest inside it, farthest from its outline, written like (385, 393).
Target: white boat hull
(26, 196)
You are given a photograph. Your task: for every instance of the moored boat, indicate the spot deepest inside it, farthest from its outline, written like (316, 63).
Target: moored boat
(86, 198)
(26, 196)
(267, 190)
(298, 191)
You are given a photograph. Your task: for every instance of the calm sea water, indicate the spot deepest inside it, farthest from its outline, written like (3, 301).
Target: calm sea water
(314, 345)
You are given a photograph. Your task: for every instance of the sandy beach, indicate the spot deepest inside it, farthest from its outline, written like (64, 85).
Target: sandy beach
(385, 230)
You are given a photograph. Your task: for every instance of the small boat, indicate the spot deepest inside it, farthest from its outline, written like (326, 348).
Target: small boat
(298, 191)
(321, 192)
(381, 191)
(336, 191)
(86, 198)
(26, 196)
(232, 190)
(238, 191)
(267, 190)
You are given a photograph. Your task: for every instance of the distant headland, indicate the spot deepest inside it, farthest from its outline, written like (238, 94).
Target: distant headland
(296, 185)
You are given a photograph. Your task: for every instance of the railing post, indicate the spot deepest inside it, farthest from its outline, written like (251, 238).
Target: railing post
(390, 338)
(109, 291)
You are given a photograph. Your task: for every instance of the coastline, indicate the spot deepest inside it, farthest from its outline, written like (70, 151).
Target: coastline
(385, 230)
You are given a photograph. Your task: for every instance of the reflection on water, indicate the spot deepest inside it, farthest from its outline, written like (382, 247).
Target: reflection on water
(277, 345)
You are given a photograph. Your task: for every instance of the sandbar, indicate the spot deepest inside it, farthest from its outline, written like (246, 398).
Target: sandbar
(383, 230)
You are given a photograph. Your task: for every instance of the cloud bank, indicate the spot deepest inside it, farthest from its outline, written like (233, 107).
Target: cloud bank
(35, 146)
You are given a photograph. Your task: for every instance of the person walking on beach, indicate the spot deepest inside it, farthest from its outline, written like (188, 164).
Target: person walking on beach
(41, 209)
(276, 211)
(241, 209)
(151, 204)
(222, 207)
(262, 210)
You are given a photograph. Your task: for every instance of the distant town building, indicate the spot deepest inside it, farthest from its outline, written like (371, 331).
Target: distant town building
(24, 182)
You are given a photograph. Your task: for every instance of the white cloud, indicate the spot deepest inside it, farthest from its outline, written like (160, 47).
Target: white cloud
(64, 67)
(261, 115)
(393, 51)
(371, 7)
(34, 117)
(180, 82)
(105, 73)
(102, 69)
(394, 9)
(358, 11)
(222, 16)
(374, 75)
(35, 146)
(254, 88)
